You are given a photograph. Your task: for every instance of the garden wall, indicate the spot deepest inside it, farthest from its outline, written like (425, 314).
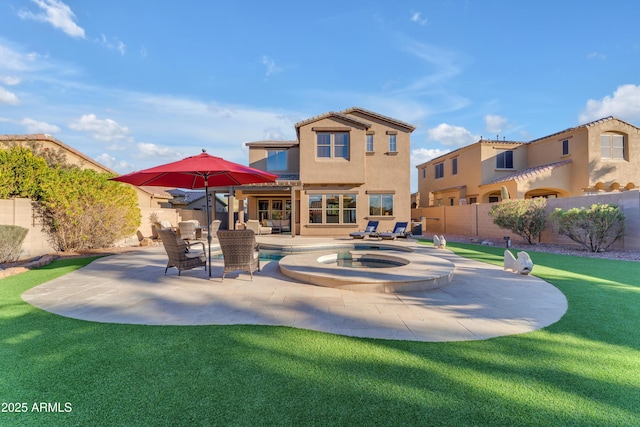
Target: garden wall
(19, 212)
(474, 220)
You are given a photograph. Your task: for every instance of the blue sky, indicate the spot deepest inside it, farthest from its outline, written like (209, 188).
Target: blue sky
(134, 84)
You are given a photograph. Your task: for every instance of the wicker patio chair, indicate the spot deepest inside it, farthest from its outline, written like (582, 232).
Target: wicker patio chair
(239, 251)
(177, 248)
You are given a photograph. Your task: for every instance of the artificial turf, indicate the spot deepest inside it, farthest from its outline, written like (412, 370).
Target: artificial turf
(582, 370)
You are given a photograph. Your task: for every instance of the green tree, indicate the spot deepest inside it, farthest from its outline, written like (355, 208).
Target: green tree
(21, 173)
(596, 228)
(526, 218)
(81, 209)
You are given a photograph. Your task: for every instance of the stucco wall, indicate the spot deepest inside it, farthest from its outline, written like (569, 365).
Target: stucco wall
(474, 220)
(19, 212)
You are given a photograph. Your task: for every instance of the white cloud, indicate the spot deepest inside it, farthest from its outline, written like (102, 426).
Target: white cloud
(7, 97)
(101, 129)
(113, 163)
(597, 55)
(417, 18)
(34, 126)
(451, 136)
(274, 134)
(57, 14)
(10, 80)
(423, 155)
(624, 104)
(270, 65)
(495, 124)
(113, 44)
(146, 149)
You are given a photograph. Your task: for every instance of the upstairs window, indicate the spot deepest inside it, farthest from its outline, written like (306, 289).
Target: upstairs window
(276, 160)
(504, 160)
(439, 168)
(392, 144)
(612, 146)
(454, 166)
(332, 145)
(370, 143)
(565, 147)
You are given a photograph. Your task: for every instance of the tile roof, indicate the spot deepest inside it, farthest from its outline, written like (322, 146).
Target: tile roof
(46, 137)
(272, 143)
(339, 115)
(528, 173)
(379, 116)
(190, 196)
(593, 123)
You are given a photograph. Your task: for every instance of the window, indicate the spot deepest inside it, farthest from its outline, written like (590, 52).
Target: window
(424, 173)
(276, 160)
(454, 166)
(332, 208)
(439, 168)
(348, 208)
(333, 144)
(565, 147)
(369, 143)
(473, 200)
(263, 209)
(494, 199)
(315, 209)
(504, 160)
(380, 204)
(612, 146)
(392, 143)
(274, 209)
(452, 201)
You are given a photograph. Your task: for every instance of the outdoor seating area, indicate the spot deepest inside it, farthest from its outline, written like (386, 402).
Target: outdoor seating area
(371, 230)
(517, 303)
(257, 227)
(240, 251)
(399, 230)
(179, 252)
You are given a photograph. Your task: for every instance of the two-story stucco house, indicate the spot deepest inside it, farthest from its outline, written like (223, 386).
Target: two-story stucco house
(344, 169)
(600, 156)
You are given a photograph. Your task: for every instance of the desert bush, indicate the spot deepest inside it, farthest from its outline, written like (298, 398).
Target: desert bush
(21, 173)
(526, 218)
(596, 228)
(11, 238)
(82, 209)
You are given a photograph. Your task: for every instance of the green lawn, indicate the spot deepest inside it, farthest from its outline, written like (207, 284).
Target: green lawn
(583, 370)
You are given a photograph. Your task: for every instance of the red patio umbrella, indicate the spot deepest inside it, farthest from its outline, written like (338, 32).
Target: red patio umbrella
(201, 171)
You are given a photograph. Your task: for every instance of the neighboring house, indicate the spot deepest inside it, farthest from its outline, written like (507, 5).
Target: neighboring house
(344, 169)
(49, 146)
(600, 156)
(194, 200)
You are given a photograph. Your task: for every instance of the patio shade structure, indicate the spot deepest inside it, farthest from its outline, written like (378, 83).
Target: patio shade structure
(195, 172)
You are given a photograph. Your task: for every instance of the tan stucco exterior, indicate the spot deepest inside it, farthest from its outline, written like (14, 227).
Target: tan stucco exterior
(540, 167)
(312, 181)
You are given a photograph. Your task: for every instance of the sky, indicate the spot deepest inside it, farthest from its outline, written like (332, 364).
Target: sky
(135, 84)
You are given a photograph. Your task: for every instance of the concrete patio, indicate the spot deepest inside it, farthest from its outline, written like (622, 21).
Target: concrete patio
(482, 301)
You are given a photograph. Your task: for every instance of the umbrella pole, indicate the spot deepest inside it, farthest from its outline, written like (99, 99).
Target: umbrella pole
(206, 195)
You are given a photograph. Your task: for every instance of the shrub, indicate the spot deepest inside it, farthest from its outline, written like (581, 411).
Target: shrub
(11, 238)
(82, 209)
(526, 218)
(21, 173)
(596, 228)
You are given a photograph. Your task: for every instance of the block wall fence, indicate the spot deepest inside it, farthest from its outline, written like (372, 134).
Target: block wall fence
(18, 211)
(474, 220)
